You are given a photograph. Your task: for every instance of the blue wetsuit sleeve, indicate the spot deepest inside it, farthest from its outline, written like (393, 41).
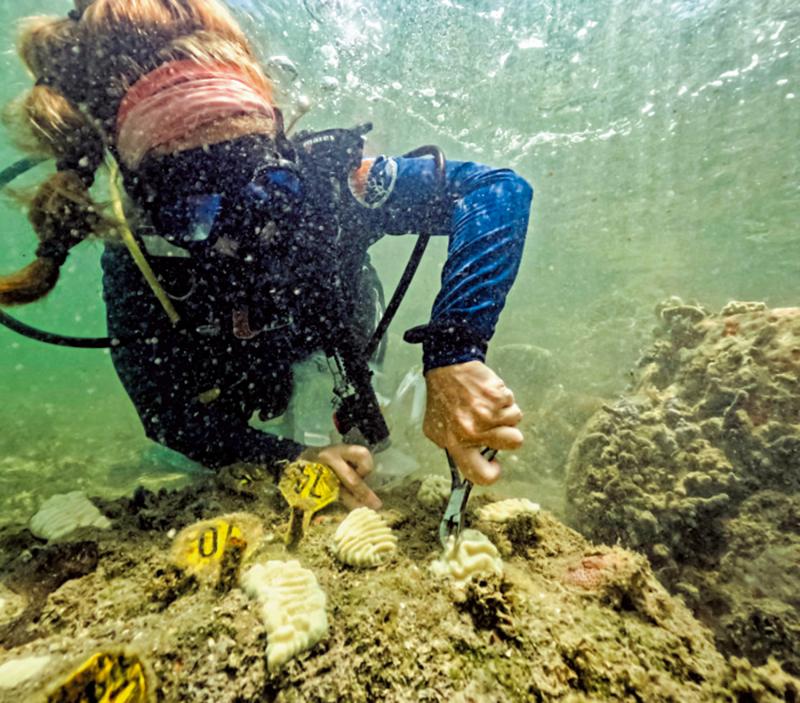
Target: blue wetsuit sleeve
(484, 212)
(157, 367)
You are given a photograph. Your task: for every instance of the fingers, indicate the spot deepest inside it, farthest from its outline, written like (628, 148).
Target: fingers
(510, 415)
(469, 407)
(349, 500)
(489, 428)
(359, 458)
(508, 397)
(502, 395)
(354, 486)
(475, 467)
(351, 464)
(488, 419)
(501, 438)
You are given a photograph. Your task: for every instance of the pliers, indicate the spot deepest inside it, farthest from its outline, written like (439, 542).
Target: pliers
(453, 521)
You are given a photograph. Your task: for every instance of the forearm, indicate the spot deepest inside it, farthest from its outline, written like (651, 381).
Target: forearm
(490, 222)
(484, 212)
(203, 441)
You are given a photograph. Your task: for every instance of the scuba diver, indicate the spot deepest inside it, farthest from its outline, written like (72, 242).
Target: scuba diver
(246, 250)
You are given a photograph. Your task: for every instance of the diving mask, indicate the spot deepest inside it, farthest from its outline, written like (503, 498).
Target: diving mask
(272, 199)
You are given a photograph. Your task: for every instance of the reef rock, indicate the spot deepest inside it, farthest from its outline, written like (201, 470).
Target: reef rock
(697, 467)
(60, 515)
(292, 607)
(11, 604)
(364, 539)
(567, 621)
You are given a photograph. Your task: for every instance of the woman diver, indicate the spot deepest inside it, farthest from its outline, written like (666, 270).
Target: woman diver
(257, 242)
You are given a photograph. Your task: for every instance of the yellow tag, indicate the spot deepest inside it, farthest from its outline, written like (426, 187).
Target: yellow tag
(307, 489)
(200, 548)
(208, 544)
(106, 678)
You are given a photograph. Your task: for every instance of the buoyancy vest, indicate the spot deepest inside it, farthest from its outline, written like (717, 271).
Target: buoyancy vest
(316, 290)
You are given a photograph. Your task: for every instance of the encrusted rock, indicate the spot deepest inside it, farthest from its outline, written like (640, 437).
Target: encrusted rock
(11, 604)
(738, 307)
(715, 430)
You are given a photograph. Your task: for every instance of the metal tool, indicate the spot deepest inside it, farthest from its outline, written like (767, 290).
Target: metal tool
(453, 521)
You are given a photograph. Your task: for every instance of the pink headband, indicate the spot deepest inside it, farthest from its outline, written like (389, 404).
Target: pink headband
(177, 98)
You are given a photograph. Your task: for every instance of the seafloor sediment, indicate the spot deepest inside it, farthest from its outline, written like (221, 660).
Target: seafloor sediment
(698, 466)
(567, 621)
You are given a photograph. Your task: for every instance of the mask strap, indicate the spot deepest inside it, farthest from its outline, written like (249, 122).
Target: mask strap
(282, 144)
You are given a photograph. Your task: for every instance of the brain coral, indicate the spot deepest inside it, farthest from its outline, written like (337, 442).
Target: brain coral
(364, 539)
(469, 556)
(62, 514)
(292, 607)
(505, 510)
(433, 491)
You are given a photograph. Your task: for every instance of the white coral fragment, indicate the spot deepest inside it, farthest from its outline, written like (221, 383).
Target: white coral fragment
(739, 307)
(364, 539)
(292, 607)
(433, 491)
(17, 671)
(505, 510)
(62, 514)
(471, 555)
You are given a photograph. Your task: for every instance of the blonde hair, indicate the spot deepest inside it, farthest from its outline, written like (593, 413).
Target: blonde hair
(83, 65)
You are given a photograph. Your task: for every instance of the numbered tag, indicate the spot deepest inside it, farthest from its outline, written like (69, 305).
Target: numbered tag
(206, 545)
(308, 486)
(106, 678)
(307, 489)
(201, 548)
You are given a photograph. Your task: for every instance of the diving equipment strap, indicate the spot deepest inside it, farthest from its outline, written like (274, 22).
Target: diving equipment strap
(416, 256)
(133, 246)
(9, 173)
(58, 340)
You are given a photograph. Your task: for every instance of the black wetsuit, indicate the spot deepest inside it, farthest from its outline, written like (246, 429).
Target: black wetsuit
(197, 385)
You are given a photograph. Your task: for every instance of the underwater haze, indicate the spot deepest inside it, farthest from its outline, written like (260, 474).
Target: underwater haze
(661, 139)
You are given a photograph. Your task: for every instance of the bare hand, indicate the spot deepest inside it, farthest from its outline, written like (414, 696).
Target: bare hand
(469, 407)
(352, 463)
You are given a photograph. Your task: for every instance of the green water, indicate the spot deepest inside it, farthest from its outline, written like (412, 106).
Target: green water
(661, 139)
